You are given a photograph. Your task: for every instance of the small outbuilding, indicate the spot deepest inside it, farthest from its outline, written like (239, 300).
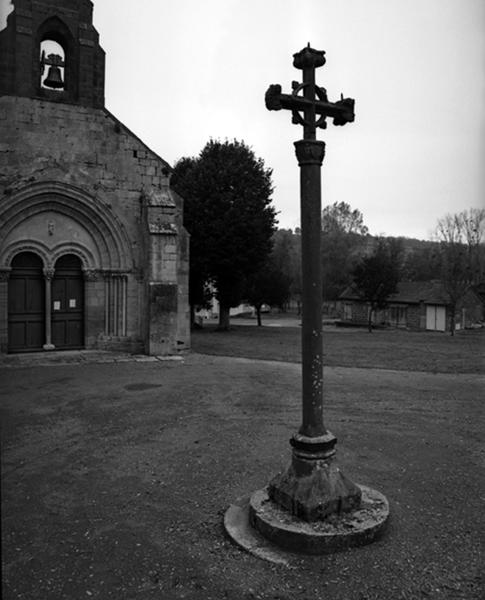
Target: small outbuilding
(417, 305)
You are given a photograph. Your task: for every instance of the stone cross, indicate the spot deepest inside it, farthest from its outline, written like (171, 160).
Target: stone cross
(314, 102)
(312, 487)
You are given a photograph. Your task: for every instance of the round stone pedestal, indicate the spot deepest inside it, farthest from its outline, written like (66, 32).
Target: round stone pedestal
(270, 532)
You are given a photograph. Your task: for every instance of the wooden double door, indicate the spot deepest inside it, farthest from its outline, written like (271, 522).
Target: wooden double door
(435, 317)
(29, 318)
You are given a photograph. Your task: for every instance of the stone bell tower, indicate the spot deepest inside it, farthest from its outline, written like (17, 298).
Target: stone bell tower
(50, 49)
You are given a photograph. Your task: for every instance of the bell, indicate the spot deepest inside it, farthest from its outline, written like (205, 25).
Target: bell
(54, 78)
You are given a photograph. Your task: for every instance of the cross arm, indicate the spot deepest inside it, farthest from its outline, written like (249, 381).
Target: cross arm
(341, 111)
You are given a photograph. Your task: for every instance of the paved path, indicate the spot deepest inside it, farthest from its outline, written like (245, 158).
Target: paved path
(116, 476)
(66, 357)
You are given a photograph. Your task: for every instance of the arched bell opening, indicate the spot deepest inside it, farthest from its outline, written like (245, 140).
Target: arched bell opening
(57, 62)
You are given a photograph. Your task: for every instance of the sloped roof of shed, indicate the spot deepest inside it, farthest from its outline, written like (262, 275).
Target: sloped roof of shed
(409, 292)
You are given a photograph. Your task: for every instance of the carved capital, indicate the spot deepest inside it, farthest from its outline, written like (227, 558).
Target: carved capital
(112, 274)
(4, 274)
(310, 152)
(49, 274)
(90, 274)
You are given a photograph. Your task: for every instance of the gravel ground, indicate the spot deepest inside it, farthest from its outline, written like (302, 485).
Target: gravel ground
(116, 477)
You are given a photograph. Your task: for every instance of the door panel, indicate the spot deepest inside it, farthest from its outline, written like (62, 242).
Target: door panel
(440, 318)
(68, 304)
(430, 317)
(26, 304)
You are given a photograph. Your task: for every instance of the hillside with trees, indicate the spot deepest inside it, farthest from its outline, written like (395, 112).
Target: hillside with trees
(455, 255)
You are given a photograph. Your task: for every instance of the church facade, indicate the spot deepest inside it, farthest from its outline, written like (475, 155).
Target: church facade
(93, 253)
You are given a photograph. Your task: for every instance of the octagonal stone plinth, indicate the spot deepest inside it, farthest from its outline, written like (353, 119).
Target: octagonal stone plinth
(337, 532)
(269, 532)
(313, 489)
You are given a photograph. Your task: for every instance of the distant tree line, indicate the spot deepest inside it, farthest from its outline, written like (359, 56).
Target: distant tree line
(237, 253)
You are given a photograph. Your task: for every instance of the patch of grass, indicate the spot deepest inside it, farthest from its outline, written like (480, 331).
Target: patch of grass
(382, 349)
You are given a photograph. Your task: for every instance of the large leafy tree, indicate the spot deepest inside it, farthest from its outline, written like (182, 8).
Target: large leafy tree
(184, 180)
(473, 226)
(422, 262)
(341, 218)
(286, 258)
(229, 216)
(344, 237)
(462, 252)
(269, 285)
(376, 276)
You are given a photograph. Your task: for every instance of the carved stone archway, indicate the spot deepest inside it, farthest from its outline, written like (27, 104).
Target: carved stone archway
(109, 246)
(52, 220)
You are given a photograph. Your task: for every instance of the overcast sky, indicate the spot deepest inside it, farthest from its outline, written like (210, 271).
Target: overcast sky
(179, 72)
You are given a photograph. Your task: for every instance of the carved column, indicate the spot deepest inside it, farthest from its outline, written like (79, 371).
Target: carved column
(48, 276)
(4, 277)
(92, 319)
(116, 302)
(107, 280)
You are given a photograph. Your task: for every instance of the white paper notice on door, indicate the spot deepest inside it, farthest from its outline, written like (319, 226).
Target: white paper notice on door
(57, 305)
(72, 302)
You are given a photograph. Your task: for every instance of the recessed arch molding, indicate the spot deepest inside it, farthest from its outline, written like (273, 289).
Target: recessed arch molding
(111, 249)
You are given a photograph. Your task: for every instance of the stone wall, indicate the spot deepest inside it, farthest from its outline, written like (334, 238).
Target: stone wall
(416, 316)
